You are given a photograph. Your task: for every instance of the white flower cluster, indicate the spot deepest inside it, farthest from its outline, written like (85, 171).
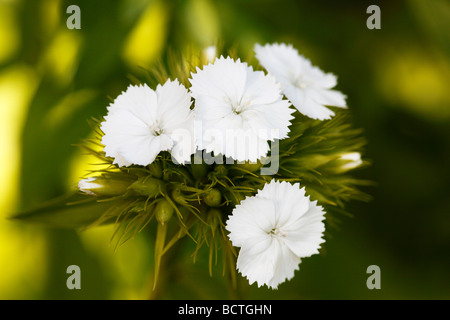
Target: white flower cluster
(236, 112)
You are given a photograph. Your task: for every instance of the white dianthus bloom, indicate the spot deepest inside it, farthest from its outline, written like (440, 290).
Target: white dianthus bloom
(142, 122)
(239, 109)
(306, 86)
(274, 230)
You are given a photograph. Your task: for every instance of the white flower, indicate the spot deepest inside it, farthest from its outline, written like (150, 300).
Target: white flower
(239, 109)
(305, 85)
(275, 229)
(142, 122)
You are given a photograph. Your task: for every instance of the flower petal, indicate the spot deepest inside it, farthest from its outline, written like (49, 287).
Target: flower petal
(238, 109)
(328, 97)
(305, 85)
(306, 105)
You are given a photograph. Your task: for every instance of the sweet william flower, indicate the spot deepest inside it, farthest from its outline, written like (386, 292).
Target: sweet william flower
(239, 109)
(306, 86)
(142, 122)
(274, 230)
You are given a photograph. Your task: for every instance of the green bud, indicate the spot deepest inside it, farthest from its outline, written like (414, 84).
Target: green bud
(163, 211)
(104, 186)
(213, 198)
(147, 186)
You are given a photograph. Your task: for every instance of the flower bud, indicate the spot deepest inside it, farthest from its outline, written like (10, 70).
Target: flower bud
(351, 160)
(147, 186)
(213, 198)
(104, 186)
(163, 211)
(345, 162)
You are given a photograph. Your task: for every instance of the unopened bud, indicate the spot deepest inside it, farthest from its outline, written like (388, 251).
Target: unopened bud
(163, 211)
(344, 162)
(147, 186)
(103, 186)
(213, 198)
(351, 160)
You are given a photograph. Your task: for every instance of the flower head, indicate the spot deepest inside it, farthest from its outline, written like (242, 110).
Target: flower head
(275, 229)
(306, 86)
(239, 109)
(142, 122)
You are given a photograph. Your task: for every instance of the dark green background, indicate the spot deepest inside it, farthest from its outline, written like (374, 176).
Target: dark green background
(393, 78)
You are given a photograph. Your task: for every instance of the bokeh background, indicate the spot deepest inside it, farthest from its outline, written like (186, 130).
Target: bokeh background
(53, 79)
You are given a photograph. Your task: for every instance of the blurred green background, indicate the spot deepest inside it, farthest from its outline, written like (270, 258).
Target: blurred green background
(53, 79)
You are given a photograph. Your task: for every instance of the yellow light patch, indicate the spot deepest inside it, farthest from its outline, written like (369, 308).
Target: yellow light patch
(9, 32)
(417, 82)
(62, 55)
(22, 251)
(146, 40)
